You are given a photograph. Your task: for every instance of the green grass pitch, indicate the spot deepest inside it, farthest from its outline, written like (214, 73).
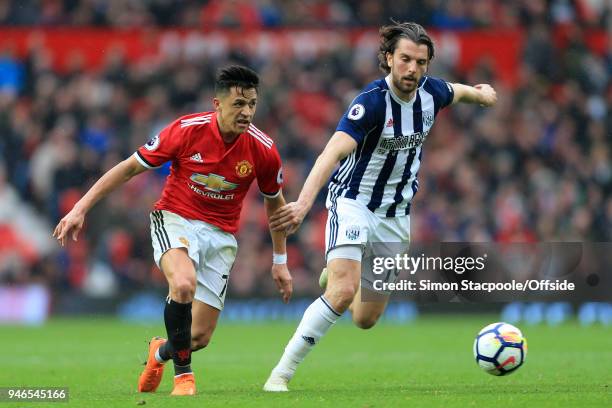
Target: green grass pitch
(427, 363)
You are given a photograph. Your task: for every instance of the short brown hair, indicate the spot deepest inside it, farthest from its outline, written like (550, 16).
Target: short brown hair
(236, 76)
(391, 34)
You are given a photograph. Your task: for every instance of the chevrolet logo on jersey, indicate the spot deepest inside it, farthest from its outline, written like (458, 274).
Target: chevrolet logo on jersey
(213, 182)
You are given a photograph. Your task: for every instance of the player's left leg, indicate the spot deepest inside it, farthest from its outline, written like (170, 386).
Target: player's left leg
(366, 314)
(389, 238)
(203, 325)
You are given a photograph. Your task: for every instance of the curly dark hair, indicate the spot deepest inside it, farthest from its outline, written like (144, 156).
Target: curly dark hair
(236, 76)
(390, 35)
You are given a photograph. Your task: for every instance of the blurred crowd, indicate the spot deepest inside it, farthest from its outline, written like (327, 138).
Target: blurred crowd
(444, 14)
(537, 166)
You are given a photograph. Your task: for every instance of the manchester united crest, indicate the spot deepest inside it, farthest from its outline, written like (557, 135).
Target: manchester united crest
(244, 168)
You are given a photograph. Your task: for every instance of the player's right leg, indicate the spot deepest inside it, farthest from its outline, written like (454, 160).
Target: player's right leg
(343, 283)
(154, 367)
(345, 233)
(180, 274)
(204, 322)
(175, 252)
(203, 325)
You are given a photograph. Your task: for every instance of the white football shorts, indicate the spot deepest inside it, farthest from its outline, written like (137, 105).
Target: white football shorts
(351, 226)
(211, 249)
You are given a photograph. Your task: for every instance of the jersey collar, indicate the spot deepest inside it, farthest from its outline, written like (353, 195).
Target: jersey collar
(397, 98)
(217, 133)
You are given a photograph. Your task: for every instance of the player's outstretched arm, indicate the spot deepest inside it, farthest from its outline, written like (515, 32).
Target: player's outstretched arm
(280, 272)
(289, 217)
(73, 221)
(482, 94)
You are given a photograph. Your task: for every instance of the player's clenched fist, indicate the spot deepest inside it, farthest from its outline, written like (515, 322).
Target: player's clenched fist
(72, 221)
(288, 218)
(488, 96)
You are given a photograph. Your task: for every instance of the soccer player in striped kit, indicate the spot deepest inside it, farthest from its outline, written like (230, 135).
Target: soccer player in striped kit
(378, 144)
(215, 158)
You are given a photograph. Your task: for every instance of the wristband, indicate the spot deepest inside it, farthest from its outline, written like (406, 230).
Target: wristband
(279, 259)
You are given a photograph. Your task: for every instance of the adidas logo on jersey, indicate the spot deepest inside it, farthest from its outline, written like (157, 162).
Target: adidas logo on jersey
(197, 158)
(390, 122)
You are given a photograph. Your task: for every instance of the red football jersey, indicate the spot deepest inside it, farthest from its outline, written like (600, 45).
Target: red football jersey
(209, 179)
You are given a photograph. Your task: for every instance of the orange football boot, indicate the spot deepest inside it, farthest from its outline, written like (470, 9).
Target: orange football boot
(152, 374)
(184, 384)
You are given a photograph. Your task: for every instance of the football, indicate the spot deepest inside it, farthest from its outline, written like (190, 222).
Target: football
(500, 348)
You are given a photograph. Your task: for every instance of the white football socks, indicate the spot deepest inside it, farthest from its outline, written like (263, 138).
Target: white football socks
(317, 320)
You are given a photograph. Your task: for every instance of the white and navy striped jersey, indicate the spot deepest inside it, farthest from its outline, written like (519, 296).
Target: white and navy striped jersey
(382, 170)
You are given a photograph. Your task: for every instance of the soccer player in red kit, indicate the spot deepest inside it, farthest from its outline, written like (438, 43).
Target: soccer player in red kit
(215, 157)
